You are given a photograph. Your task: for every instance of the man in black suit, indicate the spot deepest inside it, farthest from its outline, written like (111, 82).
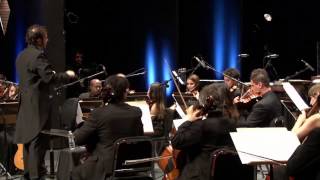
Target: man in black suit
(107, 124)
(265, 110)
(36, 77)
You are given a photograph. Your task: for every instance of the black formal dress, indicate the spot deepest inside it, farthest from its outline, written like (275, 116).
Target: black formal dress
(304, 163)
(36, 77)
(263, 112)
(162, 128)
(198, 140)
(106, 125)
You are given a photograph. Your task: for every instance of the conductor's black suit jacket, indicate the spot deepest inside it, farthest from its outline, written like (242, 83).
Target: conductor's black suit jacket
(106, 125)
(36, 77)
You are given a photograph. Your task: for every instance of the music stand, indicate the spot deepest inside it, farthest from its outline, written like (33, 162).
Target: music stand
(189, 99)
(87, 105)
(54, 132)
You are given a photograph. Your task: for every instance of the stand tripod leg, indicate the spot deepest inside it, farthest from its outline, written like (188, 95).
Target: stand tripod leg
(51, 154)
(3, 171)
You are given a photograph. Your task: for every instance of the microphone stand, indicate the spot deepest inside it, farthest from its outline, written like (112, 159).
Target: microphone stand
(194, 69)
(141, 69)
(214, 70)
(295, 74)
(269, 64)
(136, 74)
(77, 81)
(8, 82)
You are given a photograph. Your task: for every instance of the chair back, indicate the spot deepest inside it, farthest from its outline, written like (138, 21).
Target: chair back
(132, 148)
(225, 164)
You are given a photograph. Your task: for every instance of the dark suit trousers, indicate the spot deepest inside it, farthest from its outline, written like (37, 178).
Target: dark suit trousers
(33, 157)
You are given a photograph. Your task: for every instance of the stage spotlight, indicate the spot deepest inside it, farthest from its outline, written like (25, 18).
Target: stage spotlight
(267, 17)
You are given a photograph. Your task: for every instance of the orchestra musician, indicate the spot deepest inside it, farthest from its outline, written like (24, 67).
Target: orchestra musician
(264, 111)
(304, 125)
(106, 124)
(198, 138)
(3, 87)
(304, 163)
(13, 93)
(231, 84)
(162, 117)
(95, 88)
(193, 82)
(36, 79)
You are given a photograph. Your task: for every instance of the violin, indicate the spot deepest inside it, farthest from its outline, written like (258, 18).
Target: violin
(314, 109)
(247, 100)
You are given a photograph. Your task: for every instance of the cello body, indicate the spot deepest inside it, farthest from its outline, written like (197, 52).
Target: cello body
(18, 157)
(169, 166)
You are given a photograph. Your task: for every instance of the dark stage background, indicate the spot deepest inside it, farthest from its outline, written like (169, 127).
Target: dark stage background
(115, 33)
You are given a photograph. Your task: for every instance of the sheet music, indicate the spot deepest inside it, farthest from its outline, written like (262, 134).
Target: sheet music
(180, 111)
(79, 115)
(146, 117)
(178, 122)
(294, 96)
(274, 144)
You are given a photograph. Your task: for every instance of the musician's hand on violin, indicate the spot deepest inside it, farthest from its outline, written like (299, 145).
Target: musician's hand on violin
(236, 100)
(193, 114)
(302, 117)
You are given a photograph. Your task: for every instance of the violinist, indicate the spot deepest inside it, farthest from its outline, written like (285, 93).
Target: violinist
(197, 138)
(304, 163)
(231, 84)
(264, 111)
(193, 82)
(304, 125)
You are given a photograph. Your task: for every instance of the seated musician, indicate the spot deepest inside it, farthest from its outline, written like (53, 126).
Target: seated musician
(13, 93)
(198, 138)
(105, 125)
(193, 82)
(94, 90)
(161, 116)
(265, 110)
(304, 125)
(232, 85)
(304, 163)
(3, 87)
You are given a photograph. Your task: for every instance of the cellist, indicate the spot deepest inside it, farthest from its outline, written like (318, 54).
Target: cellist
(198, 138)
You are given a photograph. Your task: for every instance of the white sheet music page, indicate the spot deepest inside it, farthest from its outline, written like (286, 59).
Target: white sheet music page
(294, 96)
(178, 122)
(146, 117)
(264, 145)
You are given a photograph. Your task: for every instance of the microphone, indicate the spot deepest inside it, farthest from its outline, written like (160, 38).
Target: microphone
(307, 65)
(201, 62)
(243, 55)
(272, 56)
(103, 69)
(178, 77)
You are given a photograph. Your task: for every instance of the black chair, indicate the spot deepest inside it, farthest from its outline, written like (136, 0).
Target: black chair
(225, 164)
(133, 148)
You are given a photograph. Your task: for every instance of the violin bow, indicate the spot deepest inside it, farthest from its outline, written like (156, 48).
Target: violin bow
(176, 84)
